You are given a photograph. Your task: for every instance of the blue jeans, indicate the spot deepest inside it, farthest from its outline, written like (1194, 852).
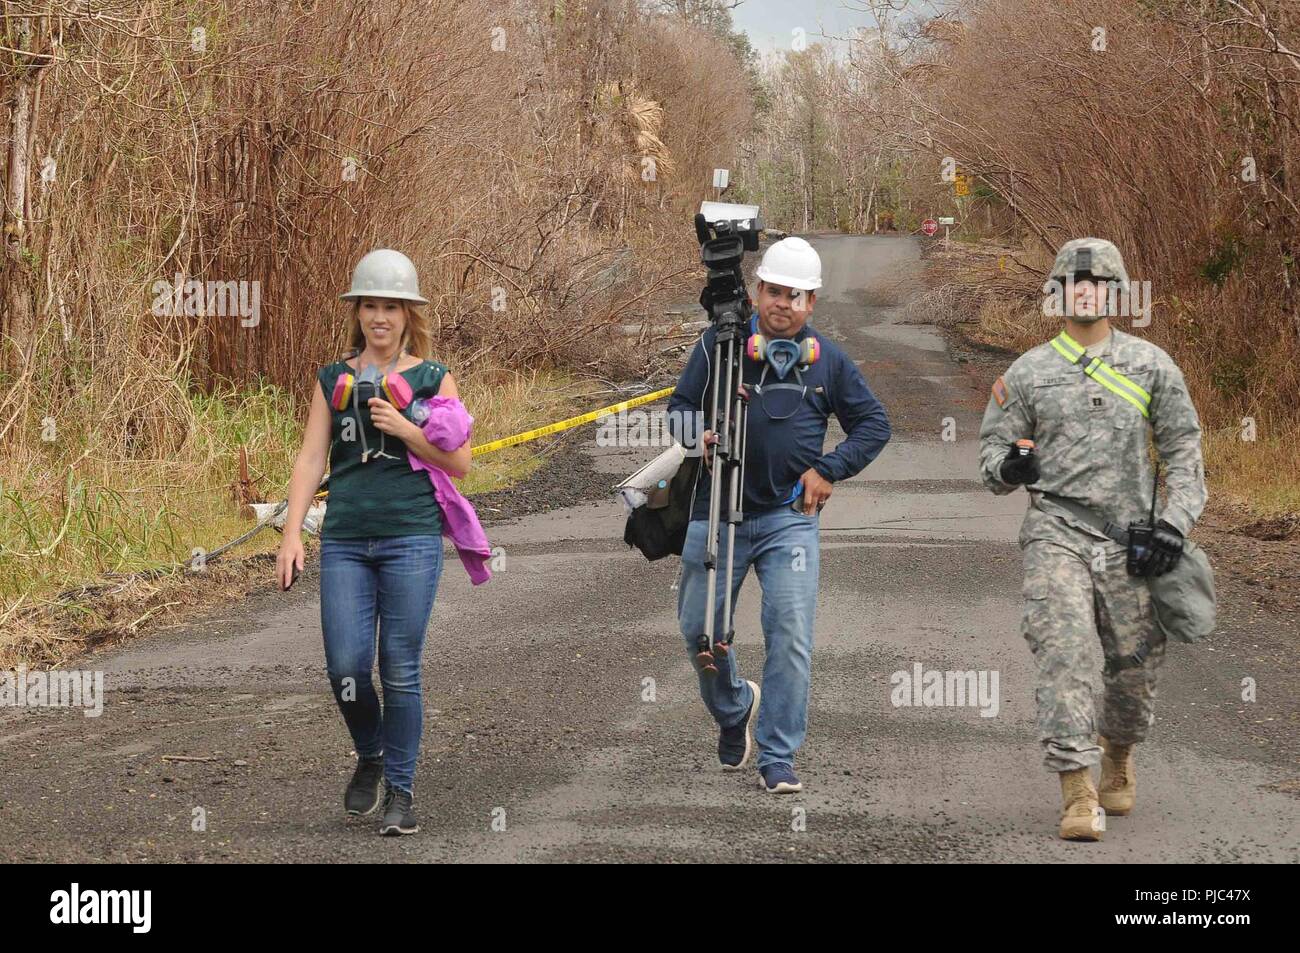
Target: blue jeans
(390, 580)
(781, 545)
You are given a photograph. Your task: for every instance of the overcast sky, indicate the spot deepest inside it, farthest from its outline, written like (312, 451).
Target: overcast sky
(769, 22)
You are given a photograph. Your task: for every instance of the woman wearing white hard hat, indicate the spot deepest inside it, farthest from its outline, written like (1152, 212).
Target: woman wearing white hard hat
(381, 546)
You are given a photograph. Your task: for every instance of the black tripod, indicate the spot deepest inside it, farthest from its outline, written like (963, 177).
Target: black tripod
(727, 419)
(725, 299)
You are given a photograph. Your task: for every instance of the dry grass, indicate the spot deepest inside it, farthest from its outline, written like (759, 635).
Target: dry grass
(129, 529)
(1016, 327)
(294, 139)
(40, 631)
(1259, 478)
(1174, 135)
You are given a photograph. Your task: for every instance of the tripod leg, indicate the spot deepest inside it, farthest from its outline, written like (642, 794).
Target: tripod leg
(704, 655)
(722, 645)
(735, 513)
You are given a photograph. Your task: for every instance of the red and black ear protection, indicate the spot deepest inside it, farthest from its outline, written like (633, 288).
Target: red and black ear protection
(810, 349)
(392, 386)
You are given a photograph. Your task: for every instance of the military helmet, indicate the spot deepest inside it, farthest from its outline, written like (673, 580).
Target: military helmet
(1091, 256)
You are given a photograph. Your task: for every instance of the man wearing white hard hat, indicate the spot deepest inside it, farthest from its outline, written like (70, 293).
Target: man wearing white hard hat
(796, 380)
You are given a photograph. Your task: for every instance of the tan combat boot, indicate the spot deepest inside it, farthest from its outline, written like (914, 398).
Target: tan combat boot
(1079, 816)
(1118, 788)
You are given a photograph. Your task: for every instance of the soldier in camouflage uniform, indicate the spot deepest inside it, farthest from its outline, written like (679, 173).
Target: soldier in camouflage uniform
(1088, 400)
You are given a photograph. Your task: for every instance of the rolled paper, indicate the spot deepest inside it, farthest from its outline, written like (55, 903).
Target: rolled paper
(657, 472)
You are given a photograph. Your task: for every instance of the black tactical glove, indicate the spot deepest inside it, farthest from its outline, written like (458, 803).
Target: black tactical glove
(1166, 549)
(1153, 550)
(1020, 467)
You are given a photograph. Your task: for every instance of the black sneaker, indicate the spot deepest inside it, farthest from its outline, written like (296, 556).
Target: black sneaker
(363, 795)
(735, 744)
(399, 815)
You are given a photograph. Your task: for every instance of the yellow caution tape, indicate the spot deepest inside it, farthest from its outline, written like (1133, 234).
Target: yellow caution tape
(556, 427)
(571, 422)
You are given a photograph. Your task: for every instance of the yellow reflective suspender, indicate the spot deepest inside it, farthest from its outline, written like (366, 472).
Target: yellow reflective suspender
(1103, 373)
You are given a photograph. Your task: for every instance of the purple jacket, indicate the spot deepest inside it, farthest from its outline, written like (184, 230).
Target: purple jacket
(448, 427)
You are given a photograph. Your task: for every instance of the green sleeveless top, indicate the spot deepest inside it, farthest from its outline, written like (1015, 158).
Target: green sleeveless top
(383, 496)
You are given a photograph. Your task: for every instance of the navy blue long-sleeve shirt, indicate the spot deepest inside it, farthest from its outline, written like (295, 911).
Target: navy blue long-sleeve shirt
(778, 452)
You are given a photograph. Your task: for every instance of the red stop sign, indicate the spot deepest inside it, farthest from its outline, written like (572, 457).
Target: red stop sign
(929, 226)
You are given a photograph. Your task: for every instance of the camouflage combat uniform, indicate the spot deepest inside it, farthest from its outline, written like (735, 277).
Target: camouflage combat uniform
(1092, 448)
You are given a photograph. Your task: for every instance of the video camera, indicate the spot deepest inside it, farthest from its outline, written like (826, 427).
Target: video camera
(726, 232)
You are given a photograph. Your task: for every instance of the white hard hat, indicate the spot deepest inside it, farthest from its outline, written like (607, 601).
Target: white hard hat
(384, 273)
(792, 262)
